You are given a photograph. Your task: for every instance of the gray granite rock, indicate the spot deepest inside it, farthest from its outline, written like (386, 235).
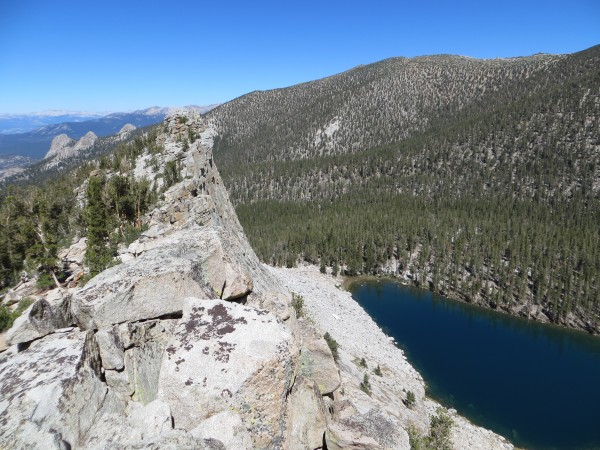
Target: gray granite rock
(316, 360)
(308, 415)
(111, 349)
(143, 357)
(229, 358)
(51, 392)
(39, 320)
(191, 262)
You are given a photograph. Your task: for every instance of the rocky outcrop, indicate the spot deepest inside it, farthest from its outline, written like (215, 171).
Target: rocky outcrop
(316, 360)
(63, 146)
(39, 320)
(126, 129)
(59, 143)
(52, 392)
(229, 366)
(189, 263)
(308, 415)
(189, 342)
(174, 347)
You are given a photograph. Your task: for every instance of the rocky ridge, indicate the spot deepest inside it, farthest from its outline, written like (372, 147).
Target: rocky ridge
(190, 343)
(64, 147)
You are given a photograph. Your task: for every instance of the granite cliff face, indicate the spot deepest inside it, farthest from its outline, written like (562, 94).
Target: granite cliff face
(64, 147)
(190, 343)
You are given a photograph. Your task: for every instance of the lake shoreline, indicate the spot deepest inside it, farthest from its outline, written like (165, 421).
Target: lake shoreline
(456, 296)
(471, 357)
(333, 309)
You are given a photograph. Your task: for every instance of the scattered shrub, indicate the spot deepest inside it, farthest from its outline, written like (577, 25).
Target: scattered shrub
(335, 269)
(24, 303)
(410, 399)
(365, 386)
(377, 371)
(191, 135)
(171, 174)
(45, 281)
(131, 233)
(7, 317)
(439, 433)
(298, 304)
(333, 345)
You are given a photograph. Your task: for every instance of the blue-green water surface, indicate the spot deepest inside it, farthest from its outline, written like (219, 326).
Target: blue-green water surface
(538, 385)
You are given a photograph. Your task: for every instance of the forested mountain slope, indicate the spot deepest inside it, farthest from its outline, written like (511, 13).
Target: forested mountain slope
(477, 178)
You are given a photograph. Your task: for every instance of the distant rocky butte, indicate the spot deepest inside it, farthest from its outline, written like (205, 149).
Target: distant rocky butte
(191, 343)
(127, 128)
(64, 147)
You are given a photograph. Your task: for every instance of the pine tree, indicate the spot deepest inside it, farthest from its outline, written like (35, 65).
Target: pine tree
(98, 254)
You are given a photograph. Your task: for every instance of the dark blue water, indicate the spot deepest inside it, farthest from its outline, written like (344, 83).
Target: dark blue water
(537, 385)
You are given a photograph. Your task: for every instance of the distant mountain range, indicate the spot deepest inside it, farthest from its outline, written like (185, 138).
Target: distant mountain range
(22, 123)
(35, 144)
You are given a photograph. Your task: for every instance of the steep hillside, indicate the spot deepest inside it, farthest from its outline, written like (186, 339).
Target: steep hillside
(478, 179)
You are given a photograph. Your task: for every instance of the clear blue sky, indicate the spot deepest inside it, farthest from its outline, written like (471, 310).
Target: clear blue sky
(121, 55)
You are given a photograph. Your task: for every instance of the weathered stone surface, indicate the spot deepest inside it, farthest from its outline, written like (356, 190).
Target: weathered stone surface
(372, 430)
(59, 143)
(203, 201)
(64, 147)
(111, 349)
(316, 360)
(190, 262)
(51, 393)
(276, 302)
(375, 425)
(75, 253)
(3, 344)
(308, 416)
(338, 437)
(226, 427)
(125, 129)
(143, 427)
(11, 297)
(154, 418)
(227, 357)
(119, 382)
(39, 320)
(146, 346)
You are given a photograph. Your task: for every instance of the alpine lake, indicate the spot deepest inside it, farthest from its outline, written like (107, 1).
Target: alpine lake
(536, 384)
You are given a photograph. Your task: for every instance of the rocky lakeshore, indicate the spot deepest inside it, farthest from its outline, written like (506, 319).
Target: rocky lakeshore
(334, 310)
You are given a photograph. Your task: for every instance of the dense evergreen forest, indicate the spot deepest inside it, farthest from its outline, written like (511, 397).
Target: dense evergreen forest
(477, 179)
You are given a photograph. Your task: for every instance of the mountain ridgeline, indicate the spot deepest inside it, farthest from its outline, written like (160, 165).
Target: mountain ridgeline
(35, 143)
(479, 179)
